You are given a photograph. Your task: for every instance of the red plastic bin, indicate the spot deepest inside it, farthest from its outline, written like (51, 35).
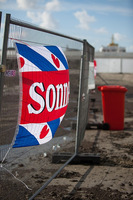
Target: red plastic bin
(113, 102)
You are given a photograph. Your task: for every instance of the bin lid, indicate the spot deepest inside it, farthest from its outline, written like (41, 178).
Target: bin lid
(113, 88)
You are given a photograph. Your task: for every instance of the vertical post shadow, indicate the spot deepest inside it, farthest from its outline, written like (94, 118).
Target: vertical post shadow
(95, 141)
(77, 186)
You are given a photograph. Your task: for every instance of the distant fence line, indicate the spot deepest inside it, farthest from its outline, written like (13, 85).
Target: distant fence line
(105, 64)
(114, 62)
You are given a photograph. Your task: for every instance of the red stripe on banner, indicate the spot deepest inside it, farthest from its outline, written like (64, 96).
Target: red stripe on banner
(45, 96)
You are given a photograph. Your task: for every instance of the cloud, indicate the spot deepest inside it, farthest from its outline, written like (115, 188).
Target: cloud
(45, 19)
(53, 5)
(2, 1)
(102, 30)
(84, 19)
(34, 16)
(48, 21)
(98, 7)
(118, 36)
(26, 4)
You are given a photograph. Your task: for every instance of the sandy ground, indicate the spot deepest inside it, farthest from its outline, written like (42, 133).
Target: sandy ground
(111, 179)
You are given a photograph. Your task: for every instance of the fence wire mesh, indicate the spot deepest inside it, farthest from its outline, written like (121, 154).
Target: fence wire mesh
(26, 163)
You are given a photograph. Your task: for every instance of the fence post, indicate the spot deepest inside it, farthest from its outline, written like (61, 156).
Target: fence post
(79, 135)
(0, 19)
(3, 58)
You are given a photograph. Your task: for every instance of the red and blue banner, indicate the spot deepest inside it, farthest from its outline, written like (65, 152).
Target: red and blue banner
(45, 90)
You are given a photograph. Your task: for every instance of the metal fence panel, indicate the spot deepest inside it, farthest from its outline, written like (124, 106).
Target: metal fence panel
(88, 55)
(37, 159)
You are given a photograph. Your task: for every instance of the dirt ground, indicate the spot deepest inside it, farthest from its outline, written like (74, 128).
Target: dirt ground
(110, 179)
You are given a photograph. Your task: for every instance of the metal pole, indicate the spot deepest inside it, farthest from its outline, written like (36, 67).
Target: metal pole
(0, 19)
(5, 39)
(26, 25)
(78, 134)
(3, 59)
(88, 58)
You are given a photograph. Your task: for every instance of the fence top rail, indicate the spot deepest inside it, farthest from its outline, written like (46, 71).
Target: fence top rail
(27, 25)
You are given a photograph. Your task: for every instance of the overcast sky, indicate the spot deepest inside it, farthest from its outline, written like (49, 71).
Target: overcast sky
(94, 20)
